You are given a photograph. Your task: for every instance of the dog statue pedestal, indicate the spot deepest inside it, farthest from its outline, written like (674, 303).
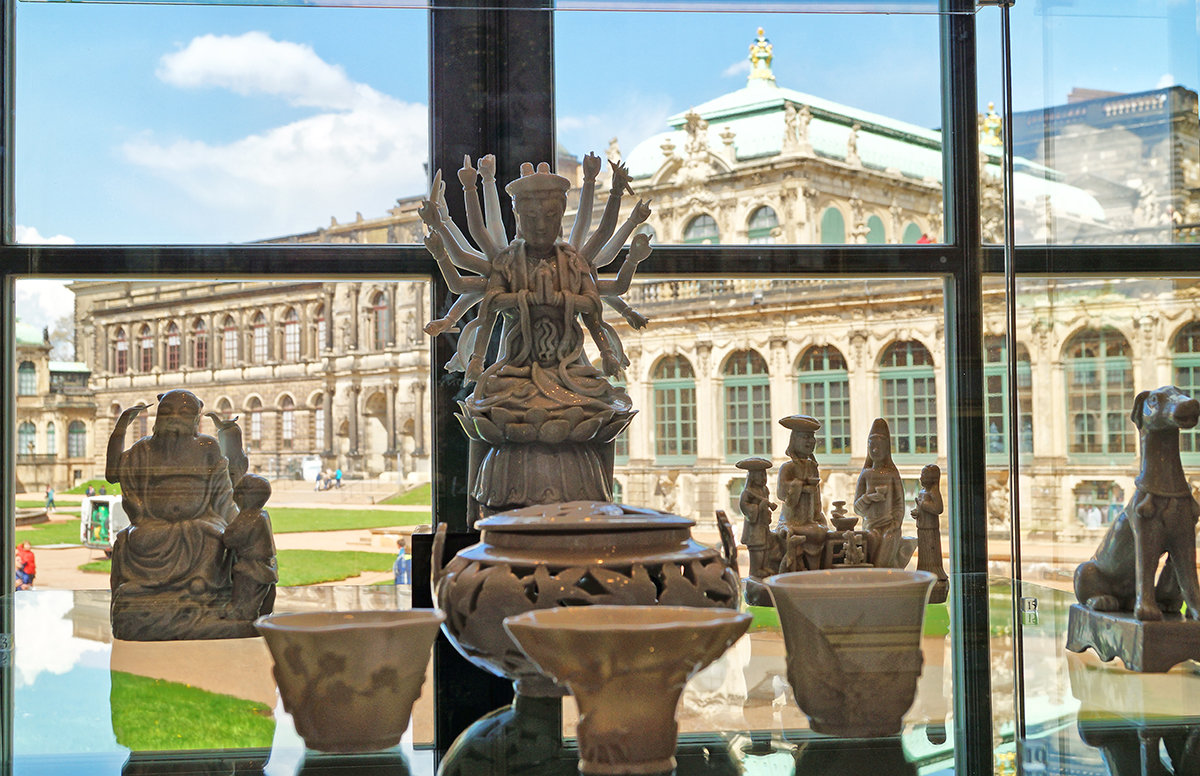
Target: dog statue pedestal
(1146, 646)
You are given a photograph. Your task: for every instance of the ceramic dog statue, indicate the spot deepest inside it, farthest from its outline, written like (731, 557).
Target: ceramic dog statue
(1159, 518)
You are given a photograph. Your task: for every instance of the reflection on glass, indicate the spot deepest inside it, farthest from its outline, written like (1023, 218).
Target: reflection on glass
(809, 136)
(211, 125)
(1105, 127)
(1085, 348)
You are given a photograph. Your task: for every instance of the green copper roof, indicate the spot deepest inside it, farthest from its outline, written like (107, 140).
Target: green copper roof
(28, 334)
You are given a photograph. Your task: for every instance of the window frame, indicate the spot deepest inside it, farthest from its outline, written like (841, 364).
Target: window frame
(1107, 418)
(677, 388)
(824, 410)
(908, 375)
(1187, 360)
(516, 123)
(737, 395)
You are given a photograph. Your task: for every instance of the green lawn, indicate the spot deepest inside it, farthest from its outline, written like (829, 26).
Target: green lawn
(418, 496)
(50, 533)
(81, 488)
(156, 715)
(299, 519)
(305, 567)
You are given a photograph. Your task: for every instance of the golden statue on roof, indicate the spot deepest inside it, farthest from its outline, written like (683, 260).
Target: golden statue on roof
(760, 59)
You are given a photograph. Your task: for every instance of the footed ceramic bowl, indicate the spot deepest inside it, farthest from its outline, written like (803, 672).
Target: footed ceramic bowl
(626, 667)
(853, 640)
(349, 679)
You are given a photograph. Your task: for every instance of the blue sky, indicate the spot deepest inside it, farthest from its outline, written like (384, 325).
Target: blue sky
(144, 123)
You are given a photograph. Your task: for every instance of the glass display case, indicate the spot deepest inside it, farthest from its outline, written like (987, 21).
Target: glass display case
(838, 229)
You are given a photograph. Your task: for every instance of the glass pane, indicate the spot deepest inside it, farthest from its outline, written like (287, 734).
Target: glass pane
(814, 122)
(1105, 126)
(213, 125)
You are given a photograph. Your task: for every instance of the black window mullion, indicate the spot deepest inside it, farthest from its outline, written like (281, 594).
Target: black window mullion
(966, 457)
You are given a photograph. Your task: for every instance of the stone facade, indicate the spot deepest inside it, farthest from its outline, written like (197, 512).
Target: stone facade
(328, 372)
(56, 412)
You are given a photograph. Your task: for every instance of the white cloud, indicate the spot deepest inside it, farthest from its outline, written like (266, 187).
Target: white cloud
(42, 303)
(45, 642)
(359, 153)
(254, 63)
(30, 234)
(741, 67)
(1166, 80)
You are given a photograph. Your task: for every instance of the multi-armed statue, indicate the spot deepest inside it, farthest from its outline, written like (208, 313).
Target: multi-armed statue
(541, 417)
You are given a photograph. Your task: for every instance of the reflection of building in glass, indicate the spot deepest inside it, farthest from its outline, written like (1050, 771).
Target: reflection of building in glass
(321, 374)
(56, 411)
(1137, 154)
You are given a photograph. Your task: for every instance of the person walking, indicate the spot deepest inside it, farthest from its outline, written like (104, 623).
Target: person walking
(337, 477)
(402, 568)
(50, 499)
(320, 479)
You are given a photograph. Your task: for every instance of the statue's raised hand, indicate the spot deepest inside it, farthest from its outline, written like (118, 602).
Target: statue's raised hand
(221, 423)
(487, 167)
(433, 243)
(591, 166)
(639, 249)
(430, 214)
(620, 177)
(130, 413)
(468, 174)
(641, 211)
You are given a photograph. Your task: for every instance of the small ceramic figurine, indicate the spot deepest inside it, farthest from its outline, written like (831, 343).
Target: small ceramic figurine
(879, 499)
(198, 558)
(541, 417)
(927, 510)
(800, 490)
(756, 506)
(1117, 586)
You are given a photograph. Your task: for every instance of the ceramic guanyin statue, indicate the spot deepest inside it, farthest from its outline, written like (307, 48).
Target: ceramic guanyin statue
(541, 416)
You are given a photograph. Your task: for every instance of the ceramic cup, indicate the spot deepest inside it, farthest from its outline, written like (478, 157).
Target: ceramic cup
(853, 640)
(349, 679)
(626, 667)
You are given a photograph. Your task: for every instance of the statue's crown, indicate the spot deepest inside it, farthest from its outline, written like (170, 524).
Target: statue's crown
(540, 182)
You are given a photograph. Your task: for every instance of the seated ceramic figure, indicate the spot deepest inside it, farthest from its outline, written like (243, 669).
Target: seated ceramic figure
(173, 567)
(879, 499)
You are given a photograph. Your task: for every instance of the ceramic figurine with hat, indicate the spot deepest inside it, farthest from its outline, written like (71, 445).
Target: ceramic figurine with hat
(800, 491)
(927, 511)
(756, 506)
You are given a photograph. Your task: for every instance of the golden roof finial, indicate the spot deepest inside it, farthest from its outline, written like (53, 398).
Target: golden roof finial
(990, 126)
(760, 59)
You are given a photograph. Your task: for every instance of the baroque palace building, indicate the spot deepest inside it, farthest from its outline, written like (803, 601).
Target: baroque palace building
(337, 372)
(56, 411)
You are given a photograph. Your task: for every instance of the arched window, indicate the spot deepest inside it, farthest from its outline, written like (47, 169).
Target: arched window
(763, 223)
(734, 491)
(1186, 362)
(199, 344)
(51, 439)
(321, 331)
(701, 230)
(172, 347)
(747, 405)
(825, 394)
(146, 348)
(27, 439)
(256, 421)
(258, 331)
(27, 379)
(909, 396)
(77, 439)
(287, 420)
(833, 227)
(380, 317)
(875, 235)
(912, 234)
(319, 423)
(229, 342)
(291, 335)
(1099, 392)
(995, 385)
(647, 230)
(618, 491)
(122, 360)
(674, 389)
(225, 409)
